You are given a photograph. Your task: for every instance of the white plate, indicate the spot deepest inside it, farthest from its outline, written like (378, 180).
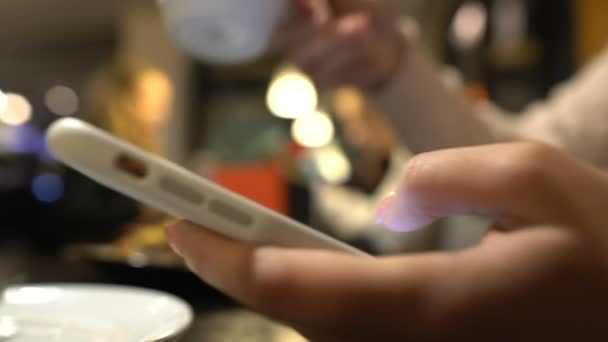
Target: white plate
(91, 313)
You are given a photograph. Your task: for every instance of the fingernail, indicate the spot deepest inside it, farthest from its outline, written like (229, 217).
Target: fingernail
(390, 214)
(385, 208)
(172, 240)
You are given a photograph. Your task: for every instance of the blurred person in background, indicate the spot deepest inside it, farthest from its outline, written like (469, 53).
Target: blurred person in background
(362, 43)
(130, 100)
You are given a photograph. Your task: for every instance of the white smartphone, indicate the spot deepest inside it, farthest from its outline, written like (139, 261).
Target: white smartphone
(177, 191)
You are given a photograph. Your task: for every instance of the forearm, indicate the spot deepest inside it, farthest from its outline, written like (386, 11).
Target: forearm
(572, 118)
(428, 115)
(424, 113)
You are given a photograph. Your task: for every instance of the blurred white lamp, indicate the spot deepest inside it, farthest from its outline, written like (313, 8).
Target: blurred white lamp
(291, 94)
(313, 130)
(17, 110)
(332, 165)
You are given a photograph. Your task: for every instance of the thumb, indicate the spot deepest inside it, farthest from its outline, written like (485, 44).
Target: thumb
(308, 289)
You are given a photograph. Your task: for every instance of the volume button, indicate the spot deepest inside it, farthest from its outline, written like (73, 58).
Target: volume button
(230, 213)
(181, 191)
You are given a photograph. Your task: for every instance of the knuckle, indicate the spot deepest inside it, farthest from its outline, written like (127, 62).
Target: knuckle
(531, 163)
(538, 152)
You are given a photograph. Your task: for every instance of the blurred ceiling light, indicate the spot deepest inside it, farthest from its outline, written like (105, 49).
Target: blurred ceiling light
(332, 165)
(469, 25)
(62, 100)
(3, 101)
(313, 130)
(291, 94)
(17, 111)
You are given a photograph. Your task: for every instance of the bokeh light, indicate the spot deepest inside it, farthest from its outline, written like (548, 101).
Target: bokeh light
(313, 130)
(332, 165)
(17, 111)
(26, 139)
(8, 138)
(62, 100)
(470, 24)
(291, 94)
(349, 103)
(48, 188)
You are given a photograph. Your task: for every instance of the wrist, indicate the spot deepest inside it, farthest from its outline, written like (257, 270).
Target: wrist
(402, 35)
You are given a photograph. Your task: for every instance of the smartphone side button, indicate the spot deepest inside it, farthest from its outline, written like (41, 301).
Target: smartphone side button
(180, 191)
(230, 213)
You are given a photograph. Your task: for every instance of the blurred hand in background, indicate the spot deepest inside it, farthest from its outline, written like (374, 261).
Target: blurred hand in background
(342, 42)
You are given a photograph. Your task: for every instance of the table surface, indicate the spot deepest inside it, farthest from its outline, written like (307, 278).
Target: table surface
(217, 319)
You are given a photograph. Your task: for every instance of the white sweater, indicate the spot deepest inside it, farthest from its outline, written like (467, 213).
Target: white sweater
(428, 114)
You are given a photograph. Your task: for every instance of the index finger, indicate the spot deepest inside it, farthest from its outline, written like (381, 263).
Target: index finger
(520, 183)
